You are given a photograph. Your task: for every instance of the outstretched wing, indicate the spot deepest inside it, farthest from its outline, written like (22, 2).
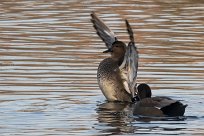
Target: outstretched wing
(128, 68)
(130, 32)
(103, 31)
(109, 38)
(132, 61)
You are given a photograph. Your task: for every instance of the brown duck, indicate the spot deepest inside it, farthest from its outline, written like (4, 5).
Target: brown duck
(117, 74)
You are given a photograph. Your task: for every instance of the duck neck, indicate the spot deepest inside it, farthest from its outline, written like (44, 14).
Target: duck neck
(119, 59)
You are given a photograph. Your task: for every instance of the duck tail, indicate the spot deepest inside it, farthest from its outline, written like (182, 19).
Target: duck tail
(174, 109)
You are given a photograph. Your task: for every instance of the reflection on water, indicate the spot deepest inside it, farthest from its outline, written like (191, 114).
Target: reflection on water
(113, 116)
(50, 52)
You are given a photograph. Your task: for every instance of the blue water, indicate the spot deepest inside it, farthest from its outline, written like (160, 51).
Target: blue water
(49, 54)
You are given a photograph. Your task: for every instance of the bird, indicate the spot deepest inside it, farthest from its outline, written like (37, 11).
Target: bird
(108, 74)
(156, 106)
(117, 74)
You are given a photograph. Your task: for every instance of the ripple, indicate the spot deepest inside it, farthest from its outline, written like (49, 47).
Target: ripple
(50, 54)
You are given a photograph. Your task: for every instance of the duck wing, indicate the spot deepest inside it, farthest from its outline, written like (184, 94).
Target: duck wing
(103, 30)
(163, 101)
(131, 61)
(108, 36)
(128, 69)
(147, 107)
(158, 102)
(148, 102)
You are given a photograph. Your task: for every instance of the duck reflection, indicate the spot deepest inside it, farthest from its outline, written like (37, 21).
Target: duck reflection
(114, 116)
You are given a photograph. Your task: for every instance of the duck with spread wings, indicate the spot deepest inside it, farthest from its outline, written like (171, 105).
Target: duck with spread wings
(117, 74)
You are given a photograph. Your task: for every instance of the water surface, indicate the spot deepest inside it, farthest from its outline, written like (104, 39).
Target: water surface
(49, 54)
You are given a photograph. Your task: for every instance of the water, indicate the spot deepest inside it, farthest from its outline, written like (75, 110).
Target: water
(49, 56)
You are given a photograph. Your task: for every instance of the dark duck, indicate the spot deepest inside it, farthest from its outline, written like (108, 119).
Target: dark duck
(156, 106)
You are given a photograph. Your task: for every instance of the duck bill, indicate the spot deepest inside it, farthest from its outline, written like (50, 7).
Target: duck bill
(109, 50)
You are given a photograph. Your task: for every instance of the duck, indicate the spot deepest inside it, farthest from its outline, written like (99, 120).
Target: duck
(156, 106)
(117, 74)
(108, 74)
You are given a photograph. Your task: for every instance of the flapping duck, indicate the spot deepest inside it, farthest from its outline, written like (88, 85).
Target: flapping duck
(117, 74)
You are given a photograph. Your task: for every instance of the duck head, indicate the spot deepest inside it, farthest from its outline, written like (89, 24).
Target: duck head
(144, 91)
(117, 51)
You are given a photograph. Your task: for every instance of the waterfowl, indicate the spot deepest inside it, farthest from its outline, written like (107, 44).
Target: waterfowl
(156, 106)
(116, 75)
(108, 74)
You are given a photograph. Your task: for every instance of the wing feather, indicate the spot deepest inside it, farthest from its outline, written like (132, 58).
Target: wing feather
(103, 30)
(132, 61)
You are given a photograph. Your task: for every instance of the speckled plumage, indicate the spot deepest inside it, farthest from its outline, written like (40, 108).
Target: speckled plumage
(116, 75)
(110, 82)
